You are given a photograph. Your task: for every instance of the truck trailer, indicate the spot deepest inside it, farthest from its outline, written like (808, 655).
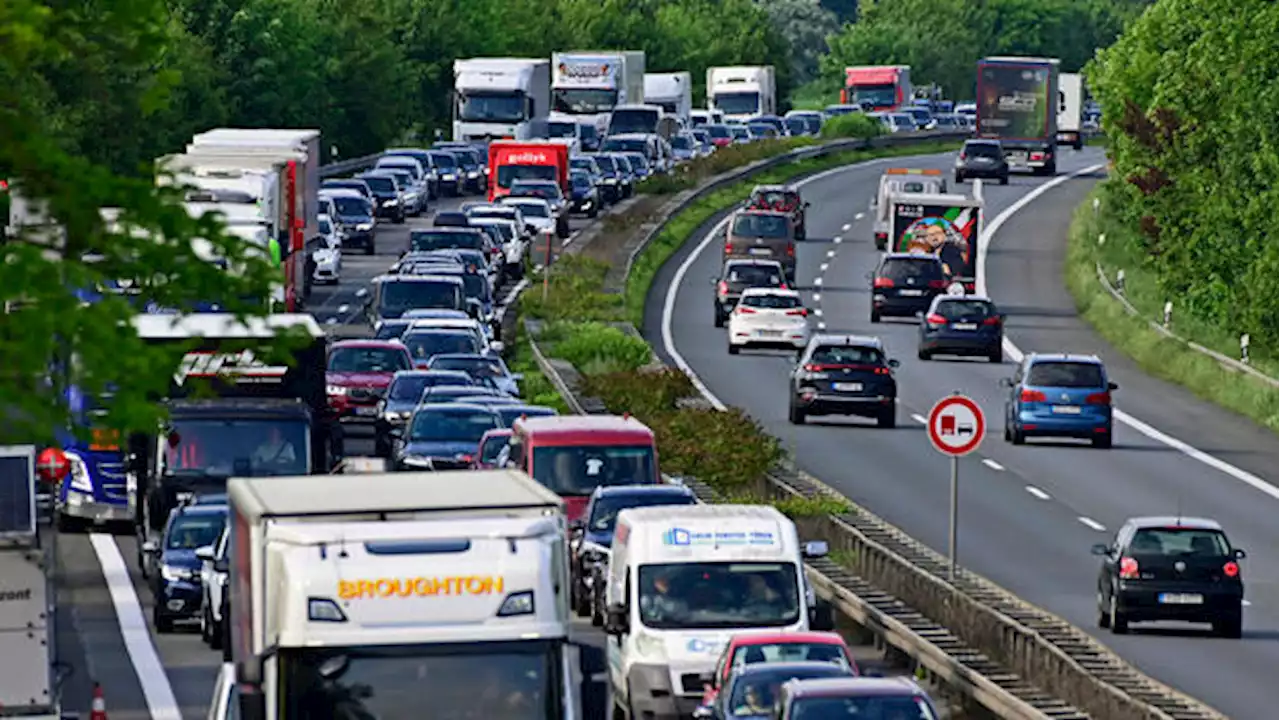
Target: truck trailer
(1017, 105)
(370, 596)
(942, 224)
(496, 98)
(588, 84)
(742, 92)
(1071, 110)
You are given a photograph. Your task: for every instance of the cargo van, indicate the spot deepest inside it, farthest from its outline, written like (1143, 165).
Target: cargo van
(762, 235)
(901, 180)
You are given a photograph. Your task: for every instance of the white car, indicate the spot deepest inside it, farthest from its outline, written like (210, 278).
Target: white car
(536, 212)
(328, 258)
(514, 246)
(769, 317)
(214, 628)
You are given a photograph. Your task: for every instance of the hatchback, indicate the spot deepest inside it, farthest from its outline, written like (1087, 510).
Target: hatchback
(904, 285)
(1059, 396)
(962, 325)
(854, 697)
(982, 159)
(844, 375)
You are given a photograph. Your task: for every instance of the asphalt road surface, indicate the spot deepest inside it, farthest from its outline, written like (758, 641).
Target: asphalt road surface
(1028, 515)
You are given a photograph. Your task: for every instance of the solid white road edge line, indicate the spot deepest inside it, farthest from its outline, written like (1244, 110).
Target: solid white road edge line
(1015, 354)
(1092, 524)
(1037, 492)
(133, 629)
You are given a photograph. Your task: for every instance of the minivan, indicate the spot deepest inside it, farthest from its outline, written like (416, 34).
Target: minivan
(763, 235)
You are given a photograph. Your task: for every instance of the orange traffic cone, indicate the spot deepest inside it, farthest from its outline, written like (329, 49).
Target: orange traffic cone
(99, 709)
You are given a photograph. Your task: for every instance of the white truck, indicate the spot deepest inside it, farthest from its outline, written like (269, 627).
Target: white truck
(742, 92)
(682, 580)
(496, 98)
(1070, 110)
(673, 92)
(391, 593)
(589, 84)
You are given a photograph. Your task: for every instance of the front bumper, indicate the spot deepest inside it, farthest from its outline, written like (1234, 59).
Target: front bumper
(652, 696)
(83, 506)
(180, 598)
(325, 273)
(347, 411)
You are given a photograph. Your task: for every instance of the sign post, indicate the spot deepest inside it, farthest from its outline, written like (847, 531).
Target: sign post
(956, 428)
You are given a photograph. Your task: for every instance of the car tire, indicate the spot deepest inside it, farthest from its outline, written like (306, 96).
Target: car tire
(1103, 441)
(1119, 621)
(1007, 437)
(224, 628)
(796, 415)
(888, 419)
(381, 446)
(1017, 437)
(205, 630)
(369, 247)
(924, 354)
(1004, 179)
(163, 623)
(959, 178)
(996, 356)
(719, 318)
(733, 349)
(875, 316)
(597, 616)
(216, 636)
(1104, 617)
(1229, 626)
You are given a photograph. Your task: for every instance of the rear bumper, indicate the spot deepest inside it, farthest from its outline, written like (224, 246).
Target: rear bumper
(1045, 425)
(834, 404)
(970, 344)
(1141, 601)
(900, 306)
(984, 172)
(789, 339)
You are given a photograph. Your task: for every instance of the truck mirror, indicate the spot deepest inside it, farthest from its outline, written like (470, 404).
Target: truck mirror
(174, 438)
(822, 617)
(615, 620)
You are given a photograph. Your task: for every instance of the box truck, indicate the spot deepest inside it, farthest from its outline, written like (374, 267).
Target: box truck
(1017, 105)
(1070, 110)
(742, 92)
(588, 84)
(673, 92)
(946, 225)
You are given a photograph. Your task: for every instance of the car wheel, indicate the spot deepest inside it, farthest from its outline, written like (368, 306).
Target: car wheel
(888, 419)
(1230, 626)
(205, 635)
(163, 623)
(597, 613)
(796, 415)
(1102, 441)
(924, 354)
(875, 316)
(68, 524)
(959, 178)
(368, 247)
(1007, 436)
(996, 356)
(1017, 437)
(216, 636)
(1119, 623)
(1104, 618)
(1004, 179)
(381, 446)
(719, 318)
(733, 349)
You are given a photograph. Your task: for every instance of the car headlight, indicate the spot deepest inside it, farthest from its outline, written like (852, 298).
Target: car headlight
(78, 474)
(391, 203)
(450, 176)
(364, 227)
(650, 646)
(175, 574)
(335, 390)
(395, 417)
(473, 174)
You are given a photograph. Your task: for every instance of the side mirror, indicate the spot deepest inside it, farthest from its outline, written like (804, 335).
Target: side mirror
(1239, 554)
(894, 363)
(205, 553)
(1100, 549)
(822, 617)
(703, 712)
(1112, 386)
(816, 549)
(615, 620)
(151, 547)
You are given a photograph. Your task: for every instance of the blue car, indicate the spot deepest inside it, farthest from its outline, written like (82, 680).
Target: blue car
(1059, 396)
(962, 325)
(172, 566)
(444, 436)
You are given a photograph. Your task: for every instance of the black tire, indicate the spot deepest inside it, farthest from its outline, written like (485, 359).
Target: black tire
(1007, 436)
(216, 635)
(733, 349)
(224, 628)
(1229, 626)
(719, 318)
(381, 446)
(369, 247)
(888, 419)
(1004, 179)
(1103, 441)
(796, 415)
(1119, 621)
(1104, 617)
(1017, 437)
(924, 354)
(68, 524)
(959, 178)
(163, 623)
(206, 630)
(875, 316)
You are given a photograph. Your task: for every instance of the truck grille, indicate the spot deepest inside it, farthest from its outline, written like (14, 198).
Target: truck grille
(111, 480)
(691, 684)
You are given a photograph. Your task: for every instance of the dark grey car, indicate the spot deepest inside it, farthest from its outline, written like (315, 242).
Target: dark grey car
(982, 159)
(740, 274)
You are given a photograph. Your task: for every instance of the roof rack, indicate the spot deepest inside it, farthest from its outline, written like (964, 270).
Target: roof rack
(912, 171)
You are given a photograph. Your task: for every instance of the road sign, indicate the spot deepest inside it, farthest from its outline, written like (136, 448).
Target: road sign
(956, 425)
(52, 465)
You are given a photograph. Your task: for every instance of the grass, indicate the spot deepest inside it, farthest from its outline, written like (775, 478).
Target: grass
(1156, 354)
(680, 228)
(535, 388)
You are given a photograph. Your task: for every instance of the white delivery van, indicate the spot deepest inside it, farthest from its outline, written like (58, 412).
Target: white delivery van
(681, 581)
(900, 180)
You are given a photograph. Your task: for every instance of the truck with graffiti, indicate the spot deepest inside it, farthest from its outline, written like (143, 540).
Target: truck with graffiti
(946, 225)
(1018, 105)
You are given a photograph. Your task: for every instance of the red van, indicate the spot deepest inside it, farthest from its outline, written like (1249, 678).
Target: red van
(574, 454)
(510, 160)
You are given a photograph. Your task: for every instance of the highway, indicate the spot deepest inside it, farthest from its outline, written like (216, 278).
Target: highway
(1028, 515)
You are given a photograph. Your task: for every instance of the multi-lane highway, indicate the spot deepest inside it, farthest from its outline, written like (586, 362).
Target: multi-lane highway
(1028, 514)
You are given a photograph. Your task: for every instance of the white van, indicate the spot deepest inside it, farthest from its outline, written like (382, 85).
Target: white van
(901, 180)
(682, 580)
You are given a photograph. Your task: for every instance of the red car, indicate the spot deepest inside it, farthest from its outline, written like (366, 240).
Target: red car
(759, 646)
(491, 444)
(357, 375)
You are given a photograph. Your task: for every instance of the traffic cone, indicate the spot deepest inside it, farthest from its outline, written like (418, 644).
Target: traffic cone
(99, 709)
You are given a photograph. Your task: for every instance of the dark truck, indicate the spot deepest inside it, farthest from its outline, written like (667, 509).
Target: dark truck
(947, 226)
(1018, 105)
(237, 407)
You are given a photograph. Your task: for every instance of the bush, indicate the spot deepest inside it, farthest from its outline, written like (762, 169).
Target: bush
(853, 125)
(595, 348)
(574, 293)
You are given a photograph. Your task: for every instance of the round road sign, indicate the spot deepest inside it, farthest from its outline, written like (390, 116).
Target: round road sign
(52, 465)
(956, 425)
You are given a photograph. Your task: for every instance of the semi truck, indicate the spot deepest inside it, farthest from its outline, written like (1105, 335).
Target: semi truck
(496, 98)
(673, 92)
(742, 92)
(240, 403)
(1070, 110)
(1017, 105)
(371, 596)
(943, 224)
(589, 84)
(878, 88)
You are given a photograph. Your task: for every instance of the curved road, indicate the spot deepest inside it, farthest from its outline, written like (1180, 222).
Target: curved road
(1028, 515)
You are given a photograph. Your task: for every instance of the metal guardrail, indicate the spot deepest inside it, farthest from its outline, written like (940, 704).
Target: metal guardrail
(345, 167)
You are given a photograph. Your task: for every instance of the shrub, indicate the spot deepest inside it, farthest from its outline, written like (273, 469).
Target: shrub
(595, 348)
(853, 125)
(574, 293)
(643, 394)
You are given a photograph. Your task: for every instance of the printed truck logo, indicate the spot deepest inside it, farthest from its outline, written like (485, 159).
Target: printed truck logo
(529, 158)
(680, 537)
(244, 366)
(585, 70)
(1023, 102)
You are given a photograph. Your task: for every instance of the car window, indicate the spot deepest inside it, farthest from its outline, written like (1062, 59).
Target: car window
(789, 652)
(452, 425)
(424, 345)
(1182, 542)
(351, 207)
(902, 269)
(367, 359)
(953, 309)
(754, 275)
(534, 209)
(492, 447)
(473, 366)
(380, 183)
(195, 530)
(982, 150)
(846, 355)
(766, 226)
(772, 302)
(1065, 374)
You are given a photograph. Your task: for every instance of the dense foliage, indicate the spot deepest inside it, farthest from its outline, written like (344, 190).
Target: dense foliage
(1188, 96)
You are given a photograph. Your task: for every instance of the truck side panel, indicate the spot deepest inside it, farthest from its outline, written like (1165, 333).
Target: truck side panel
(25, 634)
(633, 77)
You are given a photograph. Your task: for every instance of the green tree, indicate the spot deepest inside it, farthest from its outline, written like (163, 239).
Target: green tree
(805, 25)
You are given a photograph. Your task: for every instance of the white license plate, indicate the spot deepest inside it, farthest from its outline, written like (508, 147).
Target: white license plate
(1181, 599)
(769, 333)
(759, 251)
(1066, 409)
(964, 326)
(1018, 157)
(364, 411)
(848, 387)
(911, 293)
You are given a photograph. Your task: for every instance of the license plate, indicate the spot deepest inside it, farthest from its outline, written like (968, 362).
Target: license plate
(759, 251)
(1181, 599)
(1066, 409)
(769, 333)
(848, 387)
(366, 411)
(1018, 157)
(964, 326)
(911, 293)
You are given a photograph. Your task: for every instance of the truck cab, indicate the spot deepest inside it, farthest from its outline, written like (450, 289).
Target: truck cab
(511, 161)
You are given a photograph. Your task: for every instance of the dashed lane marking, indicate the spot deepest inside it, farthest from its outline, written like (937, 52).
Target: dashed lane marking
(1038, 493)
(920, 419)
(824, 266)
(822, 326)
(342, 309)
(831, 253)
(837, 239)
(992, 464)
(1092, 524)
(845, 227)
(817, 297)
(817, 281)
(817, 312)
(859, 216)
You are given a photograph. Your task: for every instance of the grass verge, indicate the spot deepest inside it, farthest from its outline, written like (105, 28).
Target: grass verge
(1156, 354)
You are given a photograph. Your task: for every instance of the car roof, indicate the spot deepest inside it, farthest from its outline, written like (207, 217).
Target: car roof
(770, 668)
(209, 499)
(368, 344)
(854, 686)
(643, 490)
(631, 136)
(433, 372)
(848, 341)
(770, 291)
(439, 407)
(981, 141)
(534, 181)
(767, 637)
(203, 509)
(435, 331)
(1063, 357)
(758, 211)
(465, 356)
(451, 279)
(496, 432)
(911, 257)
(774, 188)
(340, 192)
(1179, 521)
(444, 229)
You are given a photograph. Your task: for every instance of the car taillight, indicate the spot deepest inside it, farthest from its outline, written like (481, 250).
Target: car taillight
(935, 319)
(937, 284)
(882, 371)
(744, 310)
(728, 247)
(963, 156)
(798, 311)
(791, 251)
(783, 286)
(883, 282)
(1128, 568)
(1102, 398)
(1231, 569)
(723, 288)
(992, 321)
(1032, 396)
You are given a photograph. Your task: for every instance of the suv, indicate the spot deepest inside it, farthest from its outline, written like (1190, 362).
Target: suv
(782, 198)
(765, 235)
(1059, 396)
(738, 275)
(962, 325)
(905, 284)
(844, 375)
(1170, 568)
(172, 566)
(982, 159)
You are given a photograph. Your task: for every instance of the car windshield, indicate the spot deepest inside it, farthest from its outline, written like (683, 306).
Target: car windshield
(351, 207)
(903, 269)
(537, 210)
(403, 177)
(865, 706)
(719, 131)
(546, 191)
(472, 366)
(605, 509)
(638, 161)
(990, 150)
(452, 425)
(195, 530)
(739, 103)
(580, 469)
(380, 184)
(621, 145)
(846, 355)
(428, 240)
(797, 126)
(681, 142)
(581, 181)
(562, 130)
(367, 360)
(1065, 375)
(772, 301)
(717, 594)
(958, 309)
(740, 131)
(444, 160)
(754, 694)
(390, 329)
(493, 447)
(771, 652)
(409, 388)
(420, 295)
(425, 345)
(244, 447)
(581, 101)
(765, 226)
(510, 174)
(326, 227)
(408, 167)
(1180, 542)
(754, 275)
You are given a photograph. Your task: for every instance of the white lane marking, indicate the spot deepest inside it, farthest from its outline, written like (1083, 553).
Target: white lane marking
(1016, 355)
(920, 419)
(837, 239)
(1092, 524)
(817, 297)
(859, 216)
(822, 326)
(817, 312)
(343, 308)
(1245, 603)
(133, 629)
(845, 227)
(823, 267)
(817, 281)
(831, 253)
(992, 464)
(1038, 493)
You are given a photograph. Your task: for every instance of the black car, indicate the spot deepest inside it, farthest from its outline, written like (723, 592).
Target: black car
(904, 285)
(591, 537)
(403, 395)
(386, 192)
(356, 184)
(1170, 568)
(962, 325)
(982, 159)
(357, 216)
(471, 169)
(583, 196)
(511, 413)
(844, 375)
(444, 436)
(451, 219)
(173, 567)
(611, 190)
(738, 275)
(452, 175)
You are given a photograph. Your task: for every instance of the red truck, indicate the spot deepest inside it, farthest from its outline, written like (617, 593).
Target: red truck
(877, 88)
(511, 160)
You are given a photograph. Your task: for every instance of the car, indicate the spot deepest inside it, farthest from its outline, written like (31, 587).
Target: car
(720, 135)
(388, 199)
(357, 217)
(481, 331)
(751, 690)
(452, 175)
(360, 186)
(472, 166)
(477, 287)
(511, 413)
(403, 395)
(550, 192)
(854, 697)
(591, 537)
(739, 274)
(641, 167)
(477, 366)
(763, 131)
(451, 393)
(423, 157)
(515, 248)
(172, 566)
(762, 646)
(394, 295)
(449, 238)
(215, 617)
(584, 198)
(684, 148)
(501, 211)
(811, 118)
(922, 118)
(536, 212)
(419, 176)
(427, 343)
(443, 436)
(611, 177)
(950, 122)
(763, 235)
(741, 135)
(962, 325)
(411, 193)
(769, 317)
(1170, 568)
(844, 375)
(328, 257)
(491, 445)
(1059, 395)
(982, 159)
(357, 373)
(782, 198)
(905, 284)
(831, 111)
